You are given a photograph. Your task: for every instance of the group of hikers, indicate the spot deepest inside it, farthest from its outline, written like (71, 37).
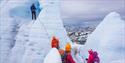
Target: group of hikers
(66, 56)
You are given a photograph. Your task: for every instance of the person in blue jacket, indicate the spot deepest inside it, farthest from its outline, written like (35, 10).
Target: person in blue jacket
(33, 10)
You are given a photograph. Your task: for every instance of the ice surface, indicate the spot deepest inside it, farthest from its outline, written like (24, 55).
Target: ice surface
(12, 14)
(31, 42)
(79, 57)
(53, 56)
(21, 41)
(108, 39)
(50, 19)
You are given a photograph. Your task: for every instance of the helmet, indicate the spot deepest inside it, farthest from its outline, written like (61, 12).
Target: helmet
(68, 47)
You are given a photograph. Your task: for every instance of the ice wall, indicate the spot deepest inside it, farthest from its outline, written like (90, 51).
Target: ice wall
(33, 41)
(108, 39)
(50, 17)
(8, 26)
(48, 24)
(12, 13)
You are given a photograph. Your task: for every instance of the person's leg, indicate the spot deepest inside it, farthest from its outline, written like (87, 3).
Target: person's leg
(32, 15)
(35, 15)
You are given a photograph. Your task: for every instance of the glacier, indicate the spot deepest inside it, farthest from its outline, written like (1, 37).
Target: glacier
(8, 28)
(53, 56)
(23, 39)
(34, 38)
(108, 39)
(11, 18)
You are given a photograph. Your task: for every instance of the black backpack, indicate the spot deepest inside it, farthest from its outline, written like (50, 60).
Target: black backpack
(63, 57)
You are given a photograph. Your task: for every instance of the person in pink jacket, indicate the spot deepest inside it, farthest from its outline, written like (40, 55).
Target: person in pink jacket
(91, 57)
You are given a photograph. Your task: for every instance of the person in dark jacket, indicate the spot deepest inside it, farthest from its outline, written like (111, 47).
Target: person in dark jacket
(33, 10)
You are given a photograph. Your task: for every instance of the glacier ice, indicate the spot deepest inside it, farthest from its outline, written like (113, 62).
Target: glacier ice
(53, 56)
(10, 21)
(108, 39)
(34, 38)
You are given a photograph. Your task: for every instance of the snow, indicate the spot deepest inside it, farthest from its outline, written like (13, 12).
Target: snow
(38, 43)
(53, 56)
(13, 13)
(33, 40)
(79, 57)
(51, 20)
(19, 48)
(108, 39)
(28, 41)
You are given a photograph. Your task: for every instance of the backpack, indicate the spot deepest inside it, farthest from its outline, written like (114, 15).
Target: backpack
(63, 57)
(96, 58)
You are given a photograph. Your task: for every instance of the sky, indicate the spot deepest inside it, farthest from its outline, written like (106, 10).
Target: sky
(90, 10)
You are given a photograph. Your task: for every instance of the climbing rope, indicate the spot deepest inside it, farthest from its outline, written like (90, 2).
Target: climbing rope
(44, 28)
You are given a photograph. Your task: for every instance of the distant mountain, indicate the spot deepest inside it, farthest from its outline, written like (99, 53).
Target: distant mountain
(81, 23)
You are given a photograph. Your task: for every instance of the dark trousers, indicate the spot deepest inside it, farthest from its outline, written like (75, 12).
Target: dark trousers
(33, 15)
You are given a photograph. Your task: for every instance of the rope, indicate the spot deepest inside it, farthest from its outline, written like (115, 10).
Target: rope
(44, 28)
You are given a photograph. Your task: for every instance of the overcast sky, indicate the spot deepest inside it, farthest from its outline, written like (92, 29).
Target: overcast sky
(90, 10)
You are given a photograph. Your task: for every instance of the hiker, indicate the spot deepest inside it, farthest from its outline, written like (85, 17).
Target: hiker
(55, 44)
(33, 10)
(91, 57)
(68, 58)
(96, 58)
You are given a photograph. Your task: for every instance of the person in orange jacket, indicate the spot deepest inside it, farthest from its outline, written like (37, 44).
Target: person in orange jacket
(33, 10)
(68, 58)
(91, 57)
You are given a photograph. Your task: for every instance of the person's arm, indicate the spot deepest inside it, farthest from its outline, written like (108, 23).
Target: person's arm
(34, 7)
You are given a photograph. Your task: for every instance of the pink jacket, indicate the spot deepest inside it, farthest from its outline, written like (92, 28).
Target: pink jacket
(69, 59)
